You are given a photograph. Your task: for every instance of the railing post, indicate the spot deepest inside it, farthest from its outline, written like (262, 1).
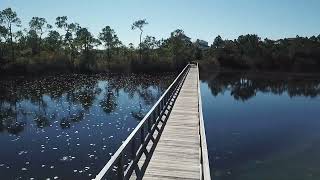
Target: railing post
(159, 109)
(120, 168)
(133, 148)
(160, 106)
(142, 134)
(165, 99)
(163, 105)
(154, 117)
(149, 125)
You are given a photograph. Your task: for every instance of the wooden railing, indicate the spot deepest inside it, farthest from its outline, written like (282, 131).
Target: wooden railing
(133, 156)
(205, 167)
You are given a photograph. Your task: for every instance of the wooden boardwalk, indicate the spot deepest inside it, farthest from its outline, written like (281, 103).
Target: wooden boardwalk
(178, 152)
(169, 143)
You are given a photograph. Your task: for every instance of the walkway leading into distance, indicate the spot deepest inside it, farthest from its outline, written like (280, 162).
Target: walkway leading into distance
(169, 143)
(178, 152)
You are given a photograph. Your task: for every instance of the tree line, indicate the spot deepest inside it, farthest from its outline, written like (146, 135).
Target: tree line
(250, 52)
(68, 47)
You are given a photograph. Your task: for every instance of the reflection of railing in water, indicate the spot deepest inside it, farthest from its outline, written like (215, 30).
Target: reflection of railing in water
(126, 159)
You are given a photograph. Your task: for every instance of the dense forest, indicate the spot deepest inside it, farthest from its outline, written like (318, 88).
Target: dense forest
(68, 47)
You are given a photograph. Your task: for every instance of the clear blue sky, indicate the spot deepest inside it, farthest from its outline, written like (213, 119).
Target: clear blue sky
(203, 19)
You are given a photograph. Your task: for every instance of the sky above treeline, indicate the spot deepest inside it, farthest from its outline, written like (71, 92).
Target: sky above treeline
(200, 19)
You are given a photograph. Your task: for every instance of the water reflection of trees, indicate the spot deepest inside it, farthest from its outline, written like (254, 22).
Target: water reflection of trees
(138, 115)
(66, 122)
(9, 120)
(80, 91)
(244, 86)
(109, 102)
(11, 115)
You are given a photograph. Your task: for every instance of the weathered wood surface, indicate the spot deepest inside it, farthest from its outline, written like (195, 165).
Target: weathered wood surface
(178, 152)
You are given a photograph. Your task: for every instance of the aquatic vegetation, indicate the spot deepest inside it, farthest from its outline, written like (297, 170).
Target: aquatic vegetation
(70, 124)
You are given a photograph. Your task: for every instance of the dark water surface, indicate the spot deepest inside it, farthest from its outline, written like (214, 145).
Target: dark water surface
(67, 127)
(262, 126)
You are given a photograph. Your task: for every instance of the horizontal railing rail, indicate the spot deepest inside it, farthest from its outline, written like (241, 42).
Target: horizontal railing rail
(205, 167)
(128, 157)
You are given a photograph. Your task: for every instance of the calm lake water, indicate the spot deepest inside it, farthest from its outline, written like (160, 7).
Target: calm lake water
(264, 127)
(67, 127)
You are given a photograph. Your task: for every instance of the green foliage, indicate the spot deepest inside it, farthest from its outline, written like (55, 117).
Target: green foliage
(110, 40)
(3, 35)
(84, 39)
(3, 32)
(149, 43)
(218, 42)
(61, 22)
(70, 30)
(9, 19)
(70, 47)
(53, 41)
(85, 42)
(179, 47)
(139, 24)
(39, 26)
(249, 51)
(249, 44)
(148, 46)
